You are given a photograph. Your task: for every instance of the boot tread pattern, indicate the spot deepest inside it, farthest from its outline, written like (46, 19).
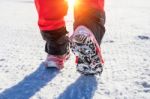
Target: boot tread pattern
(86, 51)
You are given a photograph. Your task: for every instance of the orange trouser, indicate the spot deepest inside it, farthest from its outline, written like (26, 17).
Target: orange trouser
(51, 12)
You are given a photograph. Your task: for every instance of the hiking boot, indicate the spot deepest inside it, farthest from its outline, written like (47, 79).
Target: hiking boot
(56, 61)
(87, 51)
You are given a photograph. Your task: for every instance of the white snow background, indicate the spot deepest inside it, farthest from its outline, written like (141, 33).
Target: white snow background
(126, 50)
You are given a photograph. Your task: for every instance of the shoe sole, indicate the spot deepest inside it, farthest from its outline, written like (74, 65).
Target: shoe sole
(87, 51)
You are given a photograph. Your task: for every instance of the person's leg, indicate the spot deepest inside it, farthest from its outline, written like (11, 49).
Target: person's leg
(52, 26)
(88, 33)
(90, 13)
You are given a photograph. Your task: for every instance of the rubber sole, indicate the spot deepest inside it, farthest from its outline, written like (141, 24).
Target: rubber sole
(87, 52)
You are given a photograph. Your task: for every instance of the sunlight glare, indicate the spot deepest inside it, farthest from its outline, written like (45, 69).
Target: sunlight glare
(71, 3)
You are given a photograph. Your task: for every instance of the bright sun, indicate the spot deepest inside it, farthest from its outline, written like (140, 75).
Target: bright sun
(71, 2)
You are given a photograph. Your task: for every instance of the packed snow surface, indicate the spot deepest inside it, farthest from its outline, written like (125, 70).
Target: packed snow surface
(125, 47)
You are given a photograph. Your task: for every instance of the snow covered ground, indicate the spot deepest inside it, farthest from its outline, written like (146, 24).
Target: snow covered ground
(126, 49)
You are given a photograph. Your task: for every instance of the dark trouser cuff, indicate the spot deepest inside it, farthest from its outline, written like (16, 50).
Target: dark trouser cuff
(92, 18)
(57, 42)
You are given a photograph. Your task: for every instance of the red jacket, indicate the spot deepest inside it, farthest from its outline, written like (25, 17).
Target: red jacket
(51, 12)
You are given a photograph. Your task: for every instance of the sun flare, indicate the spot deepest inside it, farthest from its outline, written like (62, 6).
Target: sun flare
(71, 3)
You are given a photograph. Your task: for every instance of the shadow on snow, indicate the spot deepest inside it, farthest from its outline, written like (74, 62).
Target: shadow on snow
(30, 84)
(83, 88)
